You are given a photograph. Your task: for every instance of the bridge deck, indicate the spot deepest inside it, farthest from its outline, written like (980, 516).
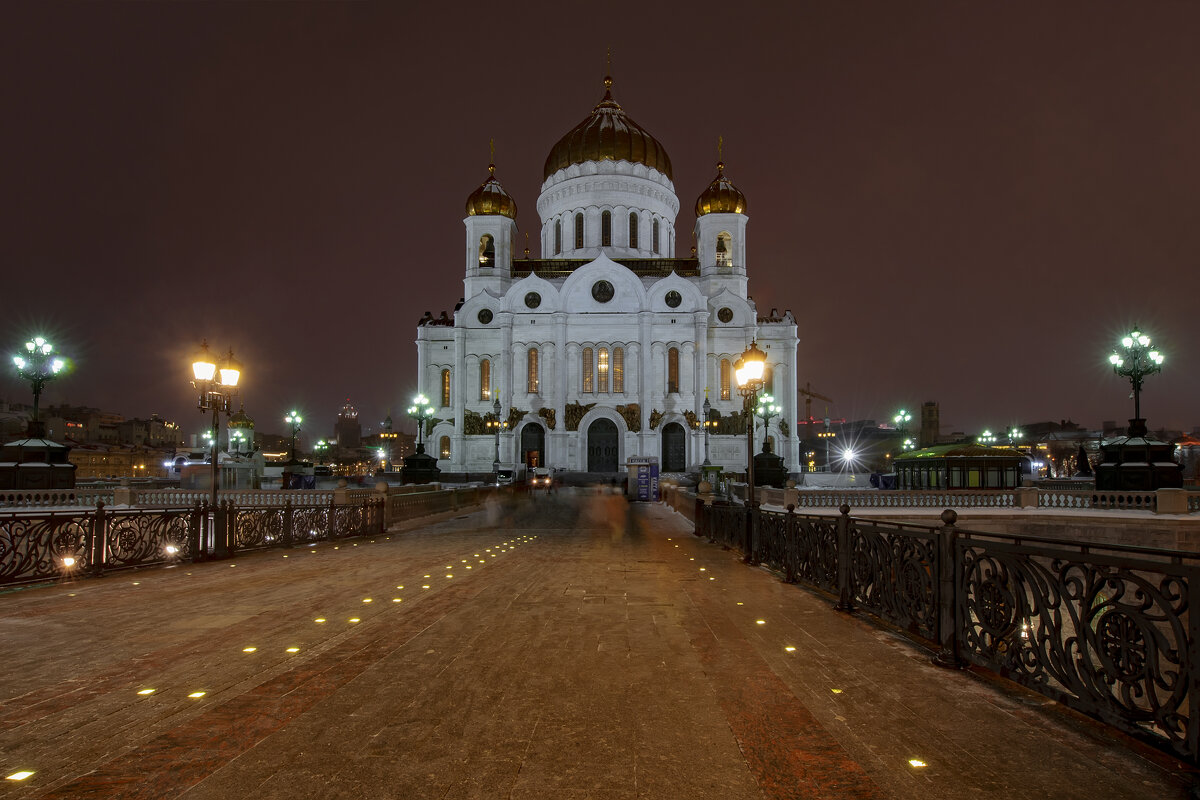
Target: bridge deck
(592, 650)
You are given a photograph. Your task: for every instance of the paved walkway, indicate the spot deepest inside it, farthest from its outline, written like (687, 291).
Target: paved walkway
(567, 646)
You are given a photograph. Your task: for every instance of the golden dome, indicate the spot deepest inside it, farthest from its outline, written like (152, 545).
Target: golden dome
(721, 196)
(490, 198)
(608, 135)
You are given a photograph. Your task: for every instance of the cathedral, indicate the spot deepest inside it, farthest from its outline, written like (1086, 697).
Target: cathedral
(606, 347)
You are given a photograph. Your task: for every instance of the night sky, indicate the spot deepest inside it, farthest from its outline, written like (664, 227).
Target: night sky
(961, 202)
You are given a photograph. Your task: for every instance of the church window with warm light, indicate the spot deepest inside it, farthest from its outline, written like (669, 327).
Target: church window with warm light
(602, 370)
(531, 365)
(618, 370)
(485, 379)
(673, 371)
(586, 365)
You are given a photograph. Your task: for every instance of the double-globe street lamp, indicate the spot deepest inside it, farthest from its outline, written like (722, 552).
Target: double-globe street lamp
(767, 409)
(496, 425)
(420, 411)
(39, 367)
(217, 385)
(294, 419)
(748, 371)
(1137, 362)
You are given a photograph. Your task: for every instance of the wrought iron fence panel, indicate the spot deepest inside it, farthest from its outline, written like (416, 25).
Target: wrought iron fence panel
(136, 538)
(1109, 635)
(817, 551)
(893, 574)
(310, 524)
(348, 521)
(772, 539)
(255, 528)
(728, 524)
(36, 546)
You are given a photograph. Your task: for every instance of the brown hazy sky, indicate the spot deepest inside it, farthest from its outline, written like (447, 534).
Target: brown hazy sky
(961, 202)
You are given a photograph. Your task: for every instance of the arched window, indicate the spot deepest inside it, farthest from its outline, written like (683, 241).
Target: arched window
(444, 446)
(769, 380)
(531, 364)
(602, 370)
(606, 229)
(673, 371)
(557, 236)
(578, 231)
(725, 378)
(487, 251)
(485, 379)
(633, 230)
(618, 370)
(445, 388)
(655, 241)
(586, 365)
(724, 249)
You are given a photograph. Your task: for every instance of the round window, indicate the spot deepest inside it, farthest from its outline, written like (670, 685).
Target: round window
(725, 314)
(533, 299)
(485, 315)
(602, 291)
(673, 299)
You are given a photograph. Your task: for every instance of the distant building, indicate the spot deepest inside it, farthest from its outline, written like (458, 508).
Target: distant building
(348, 430)
(931, 425)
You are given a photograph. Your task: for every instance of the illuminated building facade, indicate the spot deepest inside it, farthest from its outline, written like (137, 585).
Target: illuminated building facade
(605, 347)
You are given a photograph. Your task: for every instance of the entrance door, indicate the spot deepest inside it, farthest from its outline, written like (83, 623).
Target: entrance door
(602, 446)
(674, 448)
(533, 445)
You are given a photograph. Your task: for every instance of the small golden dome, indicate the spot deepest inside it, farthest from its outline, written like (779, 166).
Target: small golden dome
(491, 199)
(608, 135)
(721, 196)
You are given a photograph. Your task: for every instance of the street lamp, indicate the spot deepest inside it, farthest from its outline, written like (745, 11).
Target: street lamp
(496, 425)
(1136, 364)
(38, 367)
(748, 371)
(1014, 435)
(908, 444)
(767, 409)
(708, 423)
(420, 410)
(321, 448)
(987, 437)
(902, 419)
(217, 386)
(294, 419)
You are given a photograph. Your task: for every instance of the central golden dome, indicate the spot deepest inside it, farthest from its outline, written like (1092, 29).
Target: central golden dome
(608, 135)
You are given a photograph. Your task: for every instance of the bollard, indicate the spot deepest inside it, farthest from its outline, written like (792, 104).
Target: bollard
(289, 522)
(947, 589)
(845, 601)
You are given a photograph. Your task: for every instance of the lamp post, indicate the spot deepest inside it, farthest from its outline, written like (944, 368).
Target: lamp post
(217, 386)
(749, 374)
(986, 438)
(294, 419)
(496, 424)
(420, 410)
(1137, 362)
(902, 418)
(321, 448)
(767, 409)
(38, 367)
(1014, 436)
(828, 436)
(708, 423)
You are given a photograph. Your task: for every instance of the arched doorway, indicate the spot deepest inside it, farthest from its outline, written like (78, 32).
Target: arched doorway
(602, 448)
(674, 448)
(533, 445)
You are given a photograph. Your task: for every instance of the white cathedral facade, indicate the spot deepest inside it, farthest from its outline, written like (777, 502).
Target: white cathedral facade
(606, 347)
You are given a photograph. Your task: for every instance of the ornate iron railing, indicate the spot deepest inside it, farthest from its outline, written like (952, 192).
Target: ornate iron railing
(39, 545)
(874, 498)
(1105, 629)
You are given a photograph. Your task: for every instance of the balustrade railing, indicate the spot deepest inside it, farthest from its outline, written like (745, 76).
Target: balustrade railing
(38, 546)
(47, 498)
(1105, 629)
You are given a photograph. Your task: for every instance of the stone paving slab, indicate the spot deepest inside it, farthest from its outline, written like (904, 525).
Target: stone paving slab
(592, 650)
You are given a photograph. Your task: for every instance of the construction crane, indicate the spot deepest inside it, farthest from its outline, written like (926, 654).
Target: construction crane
(809, 396)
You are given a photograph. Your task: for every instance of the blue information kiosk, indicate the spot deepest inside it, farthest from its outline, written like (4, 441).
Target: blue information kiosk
(643, 478)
